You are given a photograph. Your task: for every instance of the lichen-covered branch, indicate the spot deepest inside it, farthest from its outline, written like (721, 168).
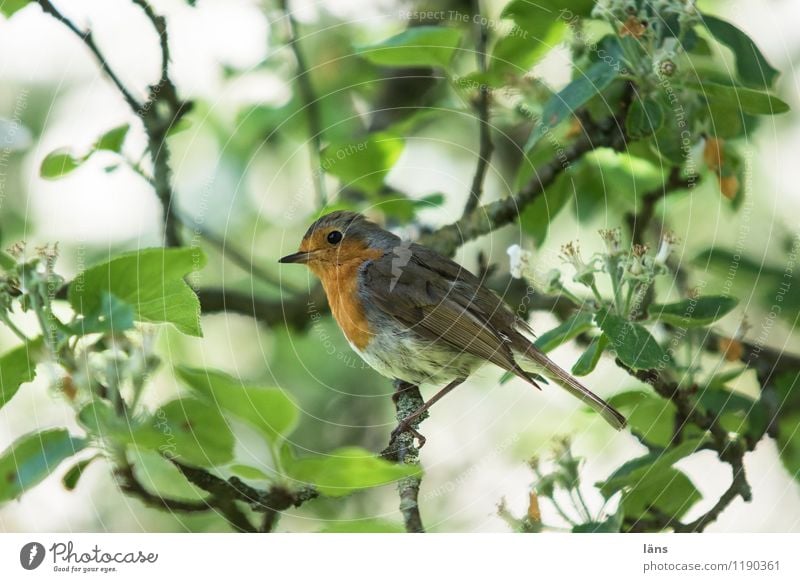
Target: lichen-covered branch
(407, 400)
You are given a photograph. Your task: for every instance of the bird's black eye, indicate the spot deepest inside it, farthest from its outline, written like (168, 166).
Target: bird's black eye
(334, 237)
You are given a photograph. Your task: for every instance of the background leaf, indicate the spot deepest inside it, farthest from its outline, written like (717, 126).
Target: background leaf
(669, 490)
(650, 416)
(16, 368)
(589, 358)
(33, 457)
(745, 99)
(9, 7)
(751, 64)
(151, 281)
(414, 47)
(269, 410)
(59, 163)
(577, 93)
(631, 342)
(363, 164)
(347, 470)
(693, 312)
(574, 326)
(646, 467)
(113, 139)
(189, 429)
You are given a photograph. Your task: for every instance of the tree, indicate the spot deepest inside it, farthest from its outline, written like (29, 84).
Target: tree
(649, 90)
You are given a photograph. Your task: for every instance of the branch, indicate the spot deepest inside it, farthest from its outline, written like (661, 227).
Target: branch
(640, 221)
(88, 40)
(294, 312)
(159, 113)
(739, 487)
(225, 494)
(407, 399)
(230, 252)
(494, 215)
(728, 451)
(131, 486)
(482, 106)
(310, 104)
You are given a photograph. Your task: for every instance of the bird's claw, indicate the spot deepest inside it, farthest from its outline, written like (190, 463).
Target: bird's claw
(403, 427)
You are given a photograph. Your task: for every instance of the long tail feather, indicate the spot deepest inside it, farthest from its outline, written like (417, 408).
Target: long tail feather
(571, 385)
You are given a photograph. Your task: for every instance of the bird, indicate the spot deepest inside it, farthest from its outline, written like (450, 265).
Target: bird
(417, 317)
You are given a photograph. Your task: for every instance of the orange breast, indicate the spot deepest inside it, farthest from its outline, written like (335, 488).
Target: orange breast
(341, 287)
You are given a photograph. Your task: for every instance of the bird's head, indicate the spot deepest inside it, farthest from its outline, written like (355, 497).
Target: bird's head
(341, 238)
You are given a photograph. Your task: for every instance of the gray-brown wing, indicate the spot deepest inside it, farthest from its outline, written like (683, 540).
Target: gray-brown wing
(436, 309)
(472, 290)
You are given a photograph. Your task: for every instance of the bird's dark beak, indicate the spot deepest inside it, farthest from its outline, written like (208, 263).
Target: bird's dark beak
(299, 257)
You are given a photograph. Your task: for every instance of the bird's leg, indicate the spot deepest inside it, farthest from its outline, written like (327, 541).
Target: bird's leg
(405, 424)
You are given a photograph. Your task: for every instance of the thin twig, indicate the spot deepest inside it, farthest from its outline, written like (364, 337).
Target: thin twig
(482, 107)
(489, 217)
(639, 222)
(310, 105)
(158, 120)
(228, 251)
(88, 40)
(131, 486)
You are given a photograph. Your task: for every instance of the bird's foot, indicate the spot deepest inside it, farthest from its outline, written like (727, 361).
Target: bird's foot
(404, 426)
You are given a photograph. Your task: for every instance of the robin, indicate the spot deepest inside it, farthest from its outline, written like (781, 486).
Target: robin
(416, 316)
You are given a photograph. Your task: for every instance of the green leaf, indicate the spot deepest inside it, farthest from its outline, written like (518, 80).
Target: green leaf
(645, 117)
(535, 219)
(248, 472)
(747, 100)
(566, 102)
(363, 165)
(151, 281)
(736, 412)
(589, 358)
(269, 410)
(112, 316)
(7, 262)
(113, 139)
(669, 490)
(417, 46)
(9, 7)
(99, 419)
(693, 312)
(363, 526)
(574, 326)
(669, 141)
(189, 429)
(649, 416)
(16, 368)
(528, 11)
(631, 342)
(787, 395)
(33, 457)
(405, 209)
(347, 470)
(613, 524)
(647, 467)
(538, 27)
(161, 477)
(516, 52)
(74, 474)
(751, 64)
(59, 163)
